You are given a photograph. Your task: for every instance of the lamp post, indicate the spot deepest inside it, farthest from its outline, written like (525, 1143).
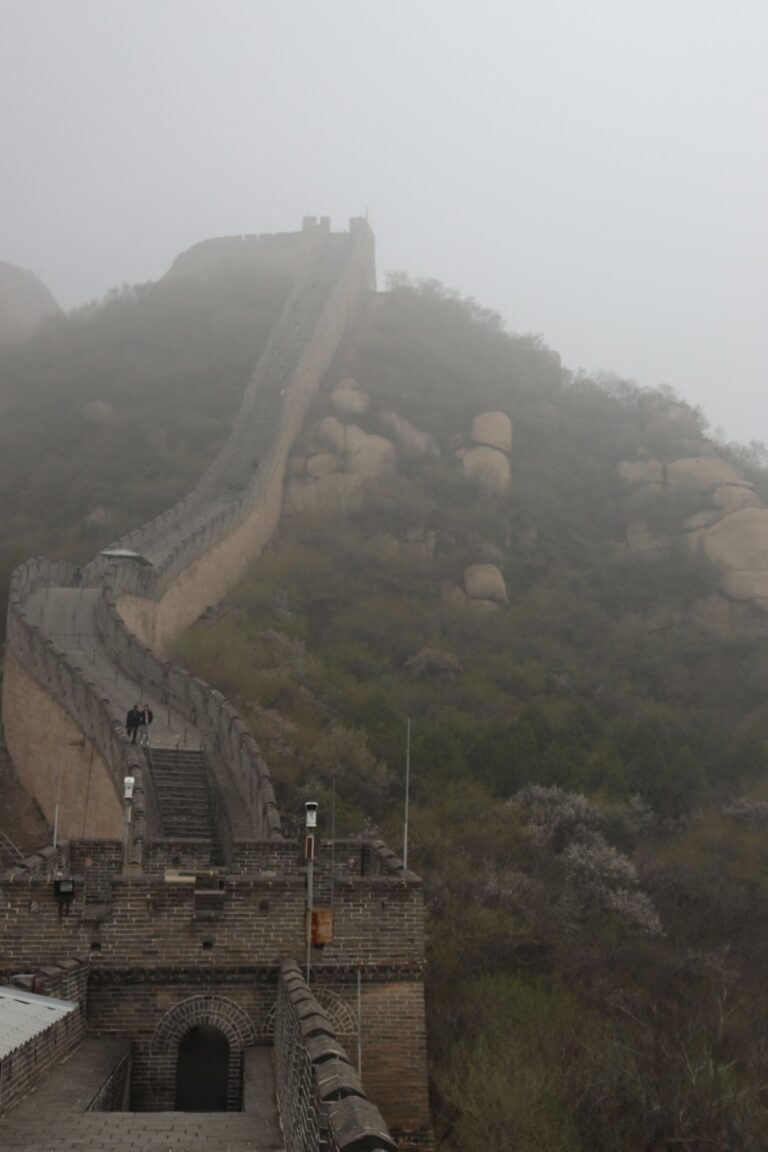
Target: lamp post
(310, 824)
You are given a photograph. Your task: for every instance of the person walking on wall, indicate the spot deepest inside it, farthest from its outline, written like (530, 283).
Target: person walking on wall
(146, 717)
(132, 723)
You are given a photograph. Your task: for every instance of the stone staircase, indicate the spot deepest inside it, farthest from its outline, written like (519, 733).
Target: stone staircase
(183, 794)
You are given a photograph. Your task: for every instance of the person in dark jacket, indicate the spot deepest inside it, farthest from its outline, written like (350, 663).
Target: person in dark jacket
(132, 723)
(145, 719)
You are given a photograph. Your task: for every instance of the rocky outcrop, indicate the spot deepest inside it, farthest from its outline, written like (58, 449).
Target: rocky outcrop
(487, 460)
(485, 582)
(348, 400)
(730, 526)
(409, 440)
(487, 465)
(322, 464)
(493, 429)
(738, 544)
(24, 302)
(701, 475)
(366, 455)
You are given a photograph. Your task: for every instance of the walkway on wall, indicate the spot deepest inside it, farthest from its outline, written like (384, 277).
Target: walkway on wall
(68, 617)
(143, 1132)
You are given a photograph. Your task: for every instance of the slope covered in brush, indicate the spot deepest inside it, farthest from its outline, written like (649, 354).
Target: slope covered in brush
(588, 746)
(111, 413)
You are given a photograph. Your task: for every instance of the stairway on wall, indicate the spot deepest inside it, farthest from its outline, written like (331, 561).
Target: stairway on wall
(183, 794)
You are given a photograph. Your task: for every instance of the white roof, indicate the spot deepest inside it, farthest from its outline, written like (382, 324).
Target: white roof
(24, 1015)
(125, 554)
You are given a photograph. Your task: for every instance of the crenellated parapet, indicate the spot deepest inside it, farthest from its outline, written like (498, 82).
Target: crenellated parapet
(322, 1099)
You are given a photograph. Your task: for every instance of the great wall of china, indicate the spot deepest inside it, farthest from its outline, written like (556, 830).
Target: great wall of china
(191, 918)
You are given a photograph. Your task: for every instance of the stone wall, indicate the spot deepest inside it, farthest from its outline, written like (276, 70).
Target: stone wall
(152, 921)
(52, 710)
(322, 1100)
(44, 742)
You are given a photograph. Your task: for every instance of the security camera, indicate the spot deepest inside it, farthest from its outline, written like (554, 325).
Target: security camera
(310, 813)
(128, 784)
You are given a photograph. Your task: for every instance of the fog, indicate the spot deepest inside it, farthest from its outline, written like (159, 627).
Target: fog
(596, 170)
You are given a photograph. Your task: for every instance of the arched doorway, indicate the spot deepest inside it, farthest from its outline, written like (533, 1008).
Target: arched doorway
(202, 1070)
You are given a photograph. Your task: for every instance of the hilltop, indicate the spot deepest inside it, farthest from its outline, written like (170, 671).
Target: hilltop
(24, 303)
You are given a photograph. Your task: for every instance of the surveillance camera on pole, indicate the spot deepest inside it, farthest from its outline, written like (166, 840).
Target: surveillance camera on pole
(128, 786)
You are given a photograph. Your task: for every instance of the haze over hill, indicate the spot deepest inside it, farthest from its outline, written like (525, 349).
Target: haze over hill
(595, 171)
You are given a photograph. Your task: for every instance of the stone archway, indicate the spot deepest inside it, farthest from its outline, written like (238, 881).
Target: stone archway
(202, 1071)
(214, 1012)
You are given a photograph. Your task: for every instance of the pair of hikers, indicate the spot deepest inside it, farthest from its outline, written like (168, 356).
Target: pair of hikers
(137, 723)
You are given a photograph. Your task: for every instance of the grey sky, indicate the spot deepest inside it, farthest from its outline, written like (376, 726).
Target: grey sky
(597, 170)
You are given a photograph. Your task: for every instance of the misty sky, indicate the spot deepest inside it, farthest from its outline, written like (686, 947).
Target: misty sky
(597, 170)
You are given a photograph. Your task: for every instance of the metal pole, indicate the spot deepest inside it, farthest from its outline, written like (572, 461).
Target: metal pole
(127, 805)
(407, 789)
(359, 1021)
(333, 844)
(58, 795)
(310, 896)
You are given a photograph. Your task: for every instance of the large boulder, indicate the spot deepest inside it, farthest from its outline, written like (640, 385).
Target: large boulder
(738, 545)
(322, 464)
(349, 400)
(409, 440)
(493, 429)
(700, 475)
(731, 497)
(366, 455)
(485, 582)
(489, 466)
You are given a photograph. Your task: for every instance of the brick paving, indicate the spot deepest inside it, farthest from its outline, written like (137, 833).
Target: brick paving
(68, 617)
(142, 1132)
(51, 1119)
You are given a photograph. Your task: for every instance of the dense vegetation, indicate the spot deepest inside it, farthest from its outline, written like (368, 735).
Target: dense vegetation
(109, 414)
(588, 762)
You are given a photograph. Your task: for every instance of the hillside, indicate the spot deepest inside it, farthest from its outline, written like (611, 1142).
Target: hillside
(24, 303)
(111, 413)
(553, 577)
(587, 709)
